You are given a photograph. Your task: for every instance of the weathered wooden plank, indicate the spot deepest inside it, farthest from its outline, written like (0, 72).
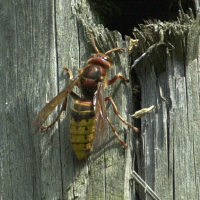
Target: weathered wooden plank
(28, 163)
(170, 132)
(96, 178)
(105, 166)
(192, 80)
(40, 38)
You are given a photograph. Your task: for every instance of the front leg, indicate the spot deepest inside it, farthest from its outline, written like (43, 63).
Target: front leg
(111, 81)
(69, 72)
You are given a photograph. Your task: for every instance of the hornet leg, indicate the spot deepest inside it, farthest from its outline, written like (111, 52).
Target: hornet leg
(111, 81)
(64, 105)
(120, 117)
(70, 73)
(113, 129)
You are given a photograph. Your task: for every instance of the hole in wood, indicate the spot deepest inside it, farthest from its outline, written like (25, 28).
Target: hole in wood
(125, 15)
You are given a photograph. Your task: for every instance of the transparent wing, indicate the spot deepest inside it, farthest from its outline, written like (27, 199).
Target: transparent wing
(47, 110)
(100, 116)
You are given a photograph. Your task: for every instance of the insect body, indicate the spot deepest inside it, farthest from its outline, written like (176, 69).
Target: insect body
(82, 127)
(88, 115)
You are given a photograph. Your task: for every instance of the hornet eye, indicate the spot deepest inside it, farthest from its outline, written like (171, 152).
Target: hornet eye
(105, 58)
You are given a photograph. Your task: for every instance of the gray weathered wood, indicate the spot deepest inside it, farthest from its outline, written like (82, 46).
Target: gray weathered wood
(38, 38)
(170, 133)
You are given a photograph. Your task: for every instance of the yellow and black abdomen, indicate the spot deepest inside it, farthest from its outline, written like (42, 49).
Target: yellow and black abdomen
(82, 127)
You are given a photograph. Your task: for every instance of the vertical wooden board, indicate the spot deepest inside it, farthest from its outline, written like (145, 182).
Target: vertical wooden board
(164, 149)
(196, 129)
(177, 111)
(163, 169)
(31, 164)
(184, 106)
(103, 167)
(115, 154)
(180, 129)
(193, 127)
(107, 163)
(67, 45)
(148, 123)
(156, 127)
(170, 152)
(16, 162)
(46, 146)
(75, 174)
(192, 80)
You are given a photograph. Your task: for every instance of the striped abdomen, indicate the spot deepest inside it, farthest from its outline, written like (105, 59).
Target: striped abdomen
(82, 127)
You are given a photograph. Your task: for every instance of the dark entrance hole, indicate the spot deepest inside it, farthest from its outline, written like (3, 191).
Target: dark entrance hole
(124, 15)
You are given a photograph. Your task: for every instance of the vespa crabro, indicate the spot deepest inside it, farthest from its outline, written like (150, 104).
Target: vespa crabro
(88, 114)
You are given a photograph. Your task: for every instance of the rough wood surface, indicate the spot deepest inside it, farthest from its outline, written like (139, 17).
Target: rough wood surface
(169, 78)
(38, 38)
